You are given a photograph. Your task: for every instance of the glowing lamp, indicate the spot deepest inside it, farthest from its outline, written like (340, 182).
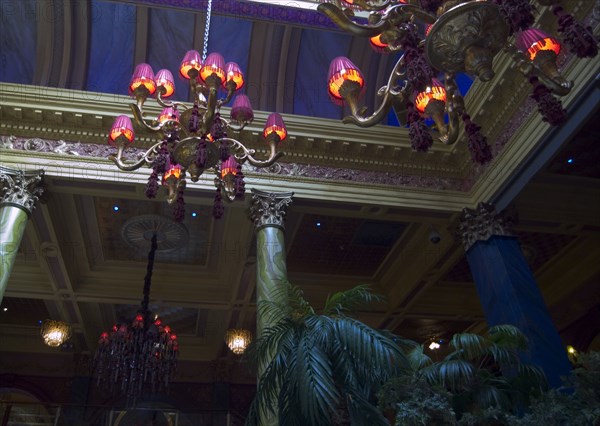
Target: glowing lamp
(234, 74)
(435, 91)
(174, 171)
(241, 111)
(428, 29)
(238, 340)
(275, 127)
(342, 70)
(214, 65)
(55, 333)
(165, 83)
(121, 131)
(168, 114)
(143, 76)
(532, 41)
(229, 166)
(377, 44)
(191, 62)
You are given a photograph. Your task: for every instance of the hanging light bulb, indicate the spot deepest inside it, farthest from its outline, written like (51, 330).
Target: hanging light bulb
(238, 340)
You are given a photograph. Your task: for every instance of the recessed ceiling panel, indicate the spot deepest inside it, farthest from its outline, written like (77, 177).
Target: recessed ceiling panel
(341, 246)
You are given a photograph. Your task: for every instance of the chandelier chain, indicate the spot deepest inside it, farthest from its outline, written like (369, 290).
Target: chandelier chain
(148, 277)
(206, 30)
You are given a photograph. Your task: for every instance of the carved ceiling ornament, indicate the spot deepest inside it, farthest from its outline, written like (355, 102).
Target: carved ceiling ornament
(20, 188)
(269, 208)
(482, 223)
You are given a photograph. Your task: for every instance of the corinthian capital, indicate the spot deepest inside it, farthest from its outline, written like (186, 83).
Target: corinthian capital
(482, 223)
(269, 208)
(20, 188)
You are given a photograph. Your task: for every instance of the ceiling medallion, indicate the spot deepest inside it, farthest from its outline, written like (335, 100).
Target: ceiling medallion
(170, 235)
(435, 40)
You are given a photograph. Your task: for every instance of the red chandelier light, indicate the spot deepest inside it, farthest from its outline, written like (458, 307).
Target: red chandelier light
(140, 356)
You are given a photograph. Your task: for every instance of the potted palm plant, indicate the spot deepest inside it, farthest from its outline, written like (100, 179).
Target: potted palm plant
(322, 367)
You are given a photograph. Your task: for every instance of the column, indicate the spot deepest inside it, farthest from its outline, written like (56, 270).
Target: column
(268, 212)
(507, 288)
(19, 192)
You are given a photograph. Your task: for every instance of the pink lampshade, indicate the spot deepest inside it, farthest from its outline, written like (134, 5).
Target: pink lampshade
(229, 166)
(436, 90)
(142, 75)
(164, 78)
(214, 64)
(121, 129)
(234, 73)
(275, 126)
(169, 113)
(191, 60)
(533, 40)
(241, 111)
(340, 70)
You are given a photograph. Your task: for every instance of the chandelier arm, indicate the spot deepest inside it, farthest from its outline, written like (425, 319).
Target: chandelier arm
(148, 277)
(373, 8)
(404, 9)
(454, 107)
(139, 118)
(341, 20)
(388, 93)
(247, 153)
(145, 160)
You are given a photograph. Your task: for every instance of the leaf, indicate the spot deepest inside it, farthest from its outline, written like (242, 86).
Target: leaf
(350, 300)
(418, 359)
(456, 375)
(470, 345)
(507, 336)
(317, 393)
(362, 412)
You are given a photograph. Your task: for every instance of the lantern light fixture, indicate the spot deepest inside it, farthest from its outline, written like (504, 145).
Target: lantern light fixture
(55, 333)
(238, 340)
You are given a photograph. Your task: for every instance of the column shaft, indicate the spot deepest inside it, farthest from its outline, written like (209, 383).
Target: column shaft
(510, 295)
(12, 226)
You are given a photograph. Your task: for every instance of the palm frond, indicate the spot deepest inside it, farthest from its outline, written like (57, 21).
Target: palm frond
(370, 347)
(507, 336)
(349, 300)
(455, 375)
(490, 395)
(406, 345)
(470, 345)
(317, 393)
(418, 359)
(503, 356)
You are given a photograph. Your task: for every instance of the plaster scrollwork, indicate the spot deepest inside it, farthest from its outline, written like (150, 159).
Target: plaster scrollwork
(7, 142)
(35, 144)
(20, 188)
(482, 223)
(269, 209)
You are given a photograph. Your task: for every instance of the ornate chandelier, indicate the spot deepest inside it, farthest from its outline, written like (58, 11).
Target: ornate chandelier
(440, 38)
(238, 340)
(141, 355)
(194, 139)
(55, 333)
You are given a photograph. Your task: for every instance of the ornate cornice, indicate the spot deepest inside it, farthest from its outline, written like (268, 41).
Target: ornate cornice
(482, 223)
(269, 208)
(20, 188)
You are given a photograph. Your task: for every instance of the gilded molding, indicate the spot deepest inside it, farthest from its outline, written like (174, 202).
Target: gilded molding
(269, 208)
(20, 188)
(482, 223)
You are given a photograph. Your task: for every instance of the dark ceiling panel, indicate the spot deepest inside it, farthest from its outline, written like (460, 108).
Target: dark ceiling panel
(20, 311)
(344, 246)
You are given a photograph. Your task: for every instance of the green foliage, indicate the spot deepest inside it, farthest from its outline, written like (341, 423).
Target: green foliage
(316, 368)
